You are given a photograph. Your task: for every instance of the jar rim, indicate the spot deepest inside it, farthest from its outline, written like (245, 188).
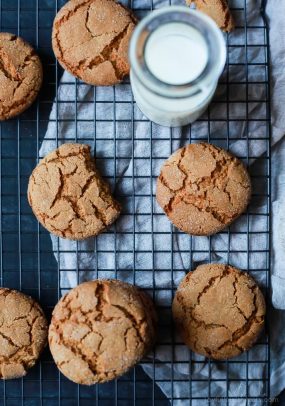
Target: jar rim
(177, 14)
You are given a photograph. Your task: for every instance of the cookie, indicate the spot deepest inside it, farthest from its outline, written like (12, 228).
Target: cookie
(101, 329)
(203, 188)
(90, 39)
(219, 311)
(68, 195)
(23, 333)
(218, 10)
(20, 75)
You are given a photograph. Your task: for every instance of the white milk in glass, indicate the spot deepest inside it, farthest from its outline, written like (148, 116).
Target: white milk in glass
(176, 53)
(176, 56)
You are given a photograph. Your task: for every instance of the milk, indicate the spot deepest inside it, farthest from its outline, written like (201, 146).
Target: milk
(176, 53)
(171, 112)
(176, 56)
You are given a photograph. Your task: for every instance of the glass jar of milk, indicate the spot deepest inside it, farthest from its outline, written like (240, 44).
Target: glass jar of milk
(177, 56)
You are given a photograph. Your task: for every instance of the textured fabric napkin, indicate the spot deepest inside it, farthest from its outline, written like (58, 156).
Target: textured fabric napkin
(128, 163)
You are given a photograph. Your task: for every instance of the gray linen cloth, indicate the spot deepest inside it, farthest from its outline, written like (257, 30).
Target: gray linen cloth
(161, 261)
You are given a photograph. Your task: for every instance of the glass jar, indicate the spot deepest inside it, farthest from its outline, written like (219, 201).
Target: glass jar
(177, 56)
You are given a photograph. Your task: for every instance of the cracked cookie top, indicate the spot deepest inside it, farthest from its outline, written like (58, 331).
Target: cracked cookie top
(203, 188)
(20, 75)
(90, 40)
(100, 329)
(68, 195)
(219, 311)
(23, 333)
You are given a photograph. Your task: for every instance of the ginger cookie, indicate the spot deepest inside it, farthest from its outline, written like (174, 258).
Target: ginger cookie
(68, 195)
(219, 311)
(90, 39)
(20, 75)
(101, 329)
(218, 10)
(203, 188)
(23, 333)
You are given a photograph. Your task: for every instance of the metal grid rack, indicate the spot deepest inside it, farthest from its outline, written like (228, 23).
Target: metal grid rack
(26, 254)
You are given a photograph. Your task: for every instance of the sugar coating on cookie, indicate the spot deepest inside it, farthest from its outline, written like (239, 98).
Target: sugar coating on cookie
(218, 10)
(23, 333)
(203, 188)
(68, 195)
(20, 75)
(219, 311)
(100, 329)
(90, 40)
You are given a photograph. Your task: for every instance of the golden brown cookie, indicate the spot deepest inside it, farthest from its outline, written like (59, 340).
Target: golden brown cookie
(218, 10)
(219, 311)
(20, 75)
(90, 40)
(100, 329)
(68, 195)
(203, 188)
(23, 333)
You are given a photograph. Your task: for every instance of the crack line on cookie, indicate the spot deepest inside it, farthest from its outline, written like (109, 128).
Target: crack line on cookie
(135, 323)
(236, 298)
(6, 69)
(237, 334)
(96, 313)
(9, 339)
(219, 178)
(5, 110)
(106, 53)
(13, 74)
(242, 331)
(70, 13)
(87, 168)
(76, 350)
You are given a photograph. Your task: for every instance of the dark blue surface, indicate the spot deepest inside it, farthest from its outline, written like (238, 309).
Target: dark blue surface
(27, 262)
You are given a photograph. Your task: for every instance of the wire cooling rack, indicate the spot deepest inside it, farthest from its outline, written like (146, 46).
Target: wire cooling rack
(26, 254)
